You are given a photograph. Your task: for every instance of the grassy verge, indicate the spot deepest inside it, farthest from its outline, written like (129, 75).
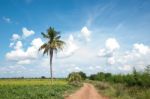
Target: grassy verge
(34, 89)
(121, 91)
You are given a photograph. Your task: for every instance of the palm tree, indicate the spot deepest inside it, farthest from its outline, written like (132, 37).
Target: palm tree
(52, 45)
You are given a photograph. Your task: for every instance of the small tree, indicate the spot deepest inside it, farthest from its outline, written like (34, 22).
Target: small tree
(43, 77)
(74, 78)
(83, 75)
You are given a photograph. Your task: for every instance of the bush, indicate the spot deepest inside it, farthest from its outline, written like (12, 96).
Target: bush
(74, 78)
(83, 75)
(102, 85)
(43, 77)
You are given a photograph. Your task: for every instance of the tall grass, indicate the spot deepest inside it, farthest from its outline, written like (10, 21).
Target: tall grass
(121, 91)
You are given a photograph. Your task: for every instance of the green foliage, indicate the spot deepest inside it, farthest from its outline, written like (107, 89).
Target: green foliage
(147, 70)
(134, 79)
(101, 76)
(83, 75)
(74, 78)
(121, 91)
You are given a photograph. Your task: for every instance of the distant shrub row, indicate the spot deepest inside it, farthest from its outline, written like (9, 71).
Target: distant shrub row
(135, 78)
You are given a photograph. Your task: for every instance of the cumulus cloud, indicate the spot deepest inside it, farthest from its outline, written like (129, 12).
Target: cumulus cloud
(16, 55)
(18, 45)
(139, 52)
(11, 44)
(20, 55)
(26, 32)
(15, 37)
(111, 46)
(136, 57)
(70, 47)
(37, 42)
(86, 33)
(141, 48)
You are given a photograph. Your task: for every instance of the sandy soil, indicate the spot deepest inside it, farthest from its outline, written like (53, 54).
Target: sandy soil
(86, 92)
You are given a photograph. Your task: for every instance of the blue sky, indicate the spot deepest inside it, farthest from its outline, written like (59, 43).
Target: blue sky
(101, 35)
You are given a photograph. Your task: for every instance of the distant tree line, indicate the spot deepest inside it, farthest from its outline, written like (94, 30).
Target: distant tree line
(135, 78)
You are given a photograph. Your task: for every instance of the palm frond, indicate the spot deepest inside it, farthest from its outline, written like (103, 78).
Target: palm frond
(45, 35)
(43, 46)
(52, 33)
(58, 37)
(60, 44)
(46, 50)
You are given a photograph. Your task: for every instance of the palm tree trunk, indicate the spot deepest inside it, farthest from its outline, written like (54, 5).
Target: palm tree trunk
(51, 68)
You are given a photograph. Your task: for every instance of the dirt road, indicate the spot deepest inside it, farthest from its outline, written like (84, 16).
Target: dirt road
(86, 92)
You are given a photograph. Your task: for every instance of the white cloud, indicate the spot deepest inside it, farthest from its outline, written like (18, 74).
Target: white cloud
(139, 52)
(125, 68)
(33, 50)
(70, 47)
(137, 56)
(111, 60)
(105, 53)
(18, 45)
(23, 62)
(86, 33)
(15, 37)
(72, 68)
(37, 42)
(112, 44)
(11, 44)
(18, 54)
(11, 69)
(141, 48)
(27, 32)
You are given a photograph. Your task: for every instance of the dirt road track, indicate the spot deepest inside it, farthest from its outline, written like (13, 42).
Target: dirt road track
(86, 92)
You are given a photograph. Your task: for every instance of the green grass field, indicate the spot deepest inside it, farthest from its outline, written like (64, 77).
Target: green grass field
(33, 89)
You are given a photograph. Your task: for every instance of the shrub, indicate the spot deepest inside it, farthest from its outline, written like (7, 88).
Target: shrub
(74, 78)
(43, 77)
(83, 75)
